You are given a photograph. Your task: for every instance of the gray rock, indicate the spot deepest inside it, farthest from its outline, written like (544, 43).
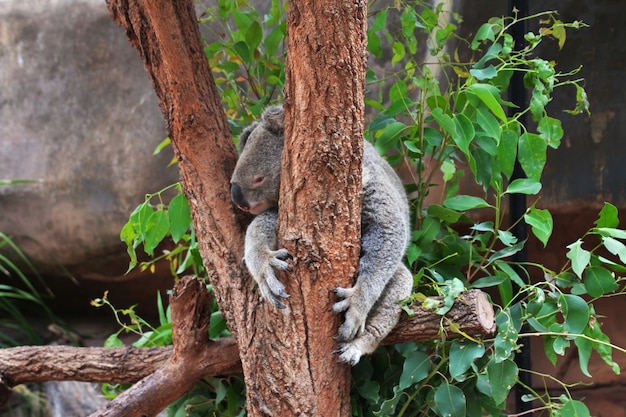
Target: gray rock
(78, 113)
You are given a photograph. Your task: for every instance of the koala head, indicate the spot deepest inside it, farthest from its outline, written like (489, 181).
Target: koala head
(255, 183)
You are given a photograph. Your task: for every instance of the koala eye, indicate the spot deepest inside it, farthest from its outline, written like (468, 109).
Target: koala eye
(258, 180)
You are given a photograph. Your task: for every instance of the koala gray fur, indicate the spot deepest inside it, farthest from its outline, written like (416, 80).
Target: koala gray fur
(370, 307)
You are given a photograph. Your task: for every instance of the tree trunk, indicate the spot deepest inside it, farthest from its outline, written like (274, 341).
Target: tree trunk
(320, 206)
(286, 357)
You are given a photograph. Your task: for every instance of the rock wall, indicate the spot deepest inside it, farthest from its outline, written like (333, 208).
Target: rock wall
(79, 114)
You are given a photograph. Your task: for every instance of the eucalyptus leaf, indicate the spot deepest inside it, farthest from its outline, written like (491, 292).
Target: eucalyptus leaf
(575, 312)
(523, 186)
(465, 202)
(462, 354)
(532, 155)
(502, 377)
(416, 367)
(541, 224)
(608, 217)
(578, 256)
(450, 401)
(599, 281)
(488, 94)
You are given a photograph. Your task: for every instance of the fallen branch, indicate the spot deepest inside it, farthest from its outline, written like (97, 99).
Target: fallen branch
(171, 371)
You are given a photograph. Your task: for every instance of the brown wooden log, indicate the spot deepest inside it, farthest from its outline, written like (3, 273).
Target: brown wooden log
(471, 314)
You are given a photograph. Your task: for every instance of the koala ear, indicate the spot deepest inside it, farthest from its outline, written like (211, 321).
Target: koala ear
(274, 117)
(245, 134)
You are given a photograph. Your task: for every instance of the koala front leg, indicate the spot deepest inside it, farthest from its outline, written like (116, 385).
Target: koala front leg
(261, 256)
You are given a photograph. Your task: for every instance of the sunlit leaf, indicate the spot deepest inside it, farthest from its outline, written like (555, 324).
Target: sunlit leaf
(465, 202)
(578, 256)
(608, 216)
(487, 94)
(541, 223)
(523, 186)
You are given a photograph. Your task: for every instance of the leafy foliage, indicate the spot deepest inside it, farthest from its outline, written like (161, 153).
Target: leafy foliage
(444, 120)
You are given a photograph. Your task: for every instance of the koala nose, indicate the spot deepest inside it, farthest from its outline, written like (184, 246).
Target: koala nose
(237, 196)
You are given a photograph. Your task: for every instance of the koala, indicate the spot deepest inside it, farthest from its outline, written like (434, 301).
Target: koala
(370, 307)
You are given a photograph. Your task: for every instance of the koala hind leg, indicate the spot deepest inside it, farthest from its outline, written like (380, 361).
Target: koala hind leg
(381, 320)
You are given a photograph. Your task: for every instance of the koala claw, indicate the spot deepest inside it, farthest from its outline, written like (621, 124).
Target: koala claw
(354, 321)
(348, 353)
(262, 270)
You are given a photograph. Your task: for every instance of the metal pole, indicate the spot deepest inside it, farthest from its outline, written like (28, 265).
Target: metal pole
(517, 202)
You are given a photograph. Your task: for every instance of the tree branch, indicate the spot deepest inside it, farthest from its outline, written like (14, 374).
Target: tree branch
(171, 371)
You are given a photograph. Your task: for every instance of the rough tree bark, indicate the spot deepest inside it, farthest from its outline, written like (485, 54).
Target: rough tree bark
(286, 358)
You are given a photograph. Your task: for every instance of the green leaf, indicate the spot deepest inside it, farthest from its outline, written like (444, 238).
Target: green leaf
(158, 228)
(487, 94)
(485, 32)
(462, 355)
(578, 256)
(523, 186)
(609, 231)
(541, 224)
(608, 217)
(273, 40)
(507, 152)
(242, 50)
(506, 339)
(444, 121)
(487, 282)
(508, 251)
(465, 202)
(488, 124)
(390, 136)
(180, 217)
(398, 52)
(484, 73)
(444, 214)
(616, 247)
(576, 313)
(532, 155)
(464, 132)
(380, 21)
(550, 129)
(510, 272)
(373, 44)
(388, 407)
(574, 408)
(584, 354)
(604, 350)
(254, 35)
(599, 281)
(416, 368)
(502, 377)
(449, 401)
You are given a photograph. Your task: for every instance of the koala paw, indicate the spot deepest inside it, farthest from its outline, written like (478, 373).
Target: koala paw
(354, 319)
(349, 353)
(261, 267)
